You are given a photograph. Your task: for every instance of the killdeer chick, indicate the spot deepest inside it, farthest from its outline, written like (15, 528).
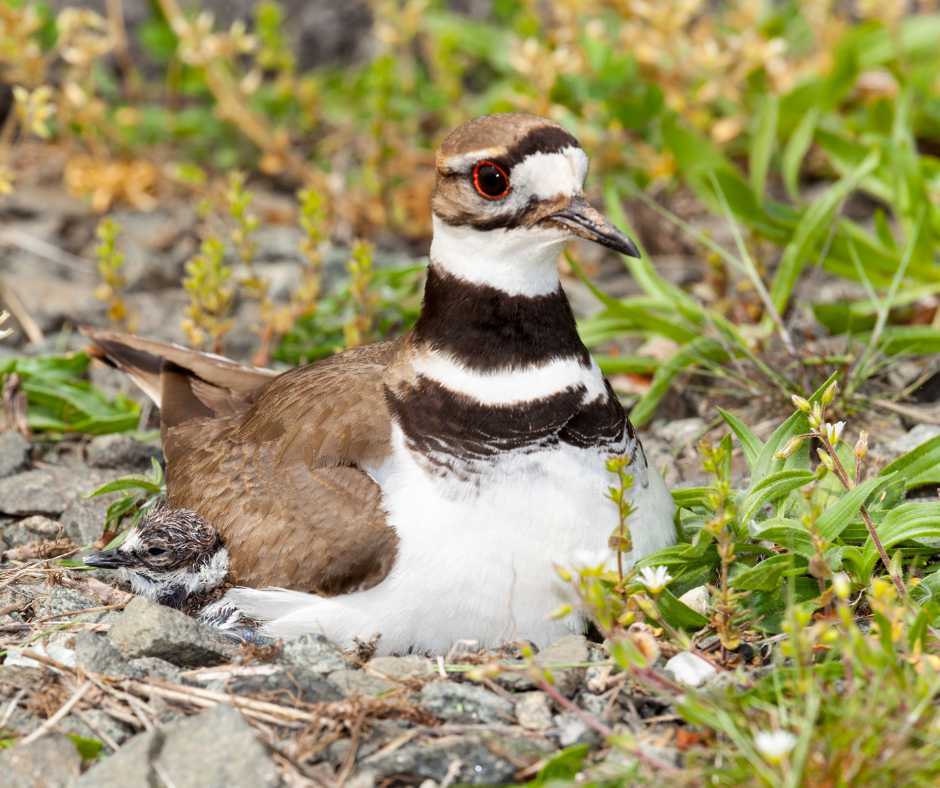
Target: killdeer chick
(424, 488)
(170, 556)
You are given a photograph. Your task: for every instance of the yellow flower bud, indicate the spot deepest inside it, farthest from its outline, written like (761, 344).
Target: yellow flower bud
(861, 446)
(801, 403)
(792, 445)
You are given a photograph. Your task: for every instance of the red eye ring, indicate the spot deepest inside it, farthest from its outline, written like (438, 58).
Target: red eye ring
(490, 180)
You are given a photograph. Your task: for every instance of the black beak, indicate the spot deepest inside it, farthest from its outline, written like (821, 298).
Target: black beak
(107, 559)
(585, 220)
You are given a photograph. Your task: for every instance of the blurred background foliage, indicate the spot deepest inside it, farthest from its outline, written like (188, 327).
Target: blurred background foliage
(809, 131)
(786, 153)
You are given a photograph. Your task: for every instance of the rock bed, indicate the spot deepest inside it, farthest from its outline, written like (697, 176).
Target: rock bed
(174, 703)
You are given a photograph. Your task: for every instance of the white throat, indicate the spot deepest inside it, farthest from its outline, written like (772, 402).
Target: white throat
(154, 584)
(518, 261)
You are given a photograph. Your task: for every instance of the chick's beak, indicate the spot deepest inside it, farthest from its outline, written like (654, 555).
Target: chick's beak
(584, 220)
(107, 559)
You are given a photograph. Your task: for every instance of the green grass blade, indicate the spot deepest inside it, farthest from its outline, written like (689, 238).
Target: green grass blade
(816, 220)
(795, 152)
(762, 142)
(693, 353)
(751, 445)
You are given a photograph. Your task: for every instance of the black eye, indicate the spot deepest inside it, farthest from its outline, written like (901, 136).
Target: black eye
(156, 551)
(490, 180)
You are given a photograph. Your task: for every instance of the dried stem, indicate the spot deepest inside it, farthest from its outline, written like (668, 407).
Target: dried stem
(63, 711)
(847, 483)
(600, 727)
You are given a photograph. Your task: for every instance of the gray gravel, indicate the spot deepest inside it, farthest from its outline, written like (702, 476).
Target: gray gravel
(50, 491)
(49, 762)
(465, 703)
(478, 759)
(146, 629)
(14, 453)
(315, 653)
(120, 451)
(214, 749)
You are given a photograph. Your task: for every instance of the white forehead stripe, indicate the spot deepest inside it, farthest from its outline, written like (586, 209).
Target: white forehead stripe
(513, 385)
(547, 175)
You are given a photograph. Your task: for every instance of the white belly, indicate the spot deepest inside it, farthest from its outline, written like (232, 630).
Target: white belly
(477, 558)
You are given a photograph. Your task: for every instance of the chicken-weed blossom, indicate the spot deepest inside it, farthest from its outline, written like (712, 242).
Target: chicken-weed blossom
(774, 745)
(833, 432)
(655, 578)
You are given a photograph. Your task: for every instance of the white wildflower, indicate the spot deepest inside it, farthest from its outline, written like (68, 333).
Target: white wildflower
(834, 431)
(773, 745)
(841, 585)
(655, 578)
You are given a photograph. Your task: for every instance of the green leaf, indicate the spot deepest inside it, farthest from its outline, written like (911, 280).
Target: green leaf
(793, 426)
(928, 588)
(645, 314)
(73, 563)
(768, 574)
(677, 613)
(688, 497)
(918, 467)
(835, 518)
(641, 268)
(626, 365)
(562, 767)
(59, 400)
(766, 462)
(762, 142)
(772, 487)
(89, 749)
(751, 445)
(119, 485)
(788, 533)
(795, 151)
(912, 340)
(905, 523)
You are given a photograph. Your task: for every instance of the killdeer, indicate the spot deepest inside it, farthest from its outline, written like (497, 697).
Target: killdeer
(174, 557)
(424, 488)
(168, 557)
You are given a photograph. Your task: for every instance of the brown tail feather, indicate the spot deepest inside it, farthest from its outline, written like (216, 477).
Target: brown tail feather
(185, 383)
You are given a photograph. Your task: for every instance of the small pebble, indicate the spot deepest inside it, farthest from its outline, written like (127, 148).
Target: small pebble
(533, 711)
(697, 599)
(690, 669)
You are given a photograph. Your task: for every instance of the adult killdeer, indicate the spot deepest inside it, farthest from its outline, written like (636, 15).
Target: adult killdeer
(423, 488)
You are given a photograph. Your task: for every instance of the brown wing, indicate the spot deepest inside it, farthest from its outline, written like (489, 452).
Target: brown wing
(274, 464)
(185, 383)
